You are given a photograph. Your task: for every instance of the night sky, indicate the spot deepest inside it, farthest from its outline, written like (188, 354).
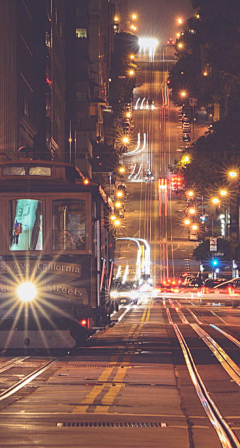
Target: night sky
(158, 18)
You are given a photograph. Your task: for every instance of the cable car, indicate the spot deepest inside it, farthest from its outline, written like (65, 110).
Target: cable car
(56, 252)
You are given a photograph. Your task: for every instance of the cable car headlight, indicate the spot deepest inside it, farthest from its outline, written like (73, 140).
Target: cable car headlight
(114, 295)
(26, 291)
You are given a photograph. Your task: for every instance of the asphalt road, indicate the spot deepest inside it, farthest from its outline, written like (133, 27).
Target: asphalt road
(131, 386)
(156, 141)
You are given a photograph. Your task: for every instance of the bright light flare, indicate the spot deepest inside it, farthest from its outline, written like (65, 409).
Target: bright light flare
(233, 174)
(26, 292)
(148, 45)
(215, 201)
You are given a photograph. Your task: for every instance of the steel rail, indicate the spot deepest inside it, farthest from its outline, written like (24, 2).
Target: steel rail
(227, 335)
(20, 384)
(11, 363)
(226, 362)
(225, 434)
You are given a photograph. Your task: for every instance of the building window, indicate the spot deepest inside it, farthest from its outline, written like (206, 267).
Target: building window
(81, 33)
(81, 96)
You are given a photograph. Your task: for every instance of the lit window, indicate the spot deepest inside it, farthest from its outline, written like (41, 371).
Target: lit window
(40, 171)
(81, 33)
(25, 217)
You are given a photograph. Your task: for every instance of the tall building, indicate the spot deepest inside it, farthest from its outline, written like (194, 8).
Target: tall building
(88, 53)
(32, 74)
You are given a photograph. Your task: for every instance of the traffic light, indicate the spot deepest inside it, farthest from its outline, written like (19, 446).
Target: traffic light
(169, 83)
(215, 262)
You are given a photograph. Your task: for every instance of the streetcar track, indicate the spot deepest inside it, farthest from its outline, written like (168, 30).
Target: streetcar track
(225, 434)
(12, 362)
(26, 380)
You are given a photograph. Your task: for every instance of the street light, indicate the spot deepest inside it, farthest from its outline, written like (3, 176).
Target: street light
(192, 211)
(121, 169)
(118, 204)
(125, 140)
(215, 201)
(131, 72)
(233, 174)
(119, 194)
(187, 222)
(190, 193)
(116, 223)
(180, 21)
(134, 16)
(183, 93)
(194, 227)
(223, 192)
(186, 159)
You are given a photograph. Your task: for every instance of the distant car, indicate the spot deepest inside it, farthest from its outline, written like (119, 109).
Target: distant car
(209, 284)
(186, 137)
(221, 291)
(169, 285)
(193, 236)
(149, 177)
(150, 104)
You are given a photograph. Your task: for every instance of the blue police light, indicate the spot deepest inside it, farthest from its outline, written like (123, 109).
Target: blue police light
(215, 262)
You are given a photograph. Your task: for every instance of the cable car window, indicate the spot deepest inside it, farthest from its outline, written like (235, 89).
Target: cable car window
(40, 171)
(25, 217)
(13, 171)
(69, 225)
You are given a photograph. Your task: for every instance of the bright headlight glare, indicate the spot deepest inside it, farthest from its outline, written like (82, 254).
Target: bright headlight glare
(26, 292)
(114, 294)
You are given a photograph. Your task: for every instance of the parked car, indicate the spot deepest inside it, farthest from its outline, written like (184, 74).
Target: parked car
(186, 137)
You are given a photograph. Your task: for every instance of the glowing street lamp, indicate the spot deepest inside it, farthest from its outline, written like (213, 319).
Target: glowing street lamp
(118, 204)
(132, 56)
(121, 169)
(119, 194)
(192, 211)
(125, 140)
(183, 93)
(134, 16)
(116, 19)
(113, 217)
(128, 115)
(223, 192)
(232, 174)
(187, 222)
(186, 159)
(116, 223)
(180, 45)
(194, 227)
(215, 201)
(180, 21)
(190, 193)
(131, 72)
